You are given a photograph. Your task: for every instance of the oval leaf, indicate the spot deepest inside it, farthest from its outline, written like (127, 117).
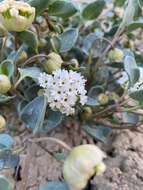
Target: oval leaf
(33, 114)
(93, 10)
(62, 9)
(68, 39)
(55, 185)
(5, 184)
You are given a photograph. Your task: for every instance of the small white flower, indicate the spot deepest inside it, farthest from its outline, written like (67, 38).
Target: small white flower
(64, 89)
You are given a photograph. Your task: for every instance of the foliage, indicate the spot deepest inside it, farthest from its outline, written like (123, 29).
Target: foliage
(94, 39)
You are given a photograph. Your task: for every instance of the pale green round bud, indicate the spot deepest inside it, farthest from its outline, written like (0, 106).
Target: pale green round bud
(103, 99)
(41, 92)
(42, 43)
(16, 15)
(116, 55)
(81, 165)
(5, 84)
(54, 62)
(75, 63)
(2, 122)
(22, 58)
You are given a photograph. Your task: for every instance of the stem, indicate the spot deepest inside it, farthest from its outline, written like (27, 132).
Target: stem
(32, 59)
(2, 48)
(115, 39)
(63, 144)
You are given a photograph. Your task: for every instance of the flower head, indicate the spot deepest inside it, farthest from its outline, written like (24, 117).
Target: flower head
(16, 16)
(63, 90)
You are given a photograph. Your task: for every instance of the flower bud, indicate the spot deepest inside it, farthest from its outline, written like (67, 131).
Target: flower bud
(16, 16)
(86, 114)
(42, 43)
(40, 92)
(103, 99)
(22, 58)
(5, 84)
(54, 62)
(75, 63)
(81, 164)
(2, 122)
(116, 55)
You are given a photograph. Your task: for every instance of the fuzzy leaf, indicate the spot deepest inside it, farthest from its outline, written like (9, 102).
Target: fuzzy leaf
(5, 184)
(62, 9)
(68, 39)
(33, 114)
(93, 10)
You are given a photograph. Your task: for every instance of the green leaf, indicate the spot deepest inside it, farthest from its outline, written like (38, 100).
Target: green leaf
(7, 68)
(98, 132)
(129, 14)
(62, 9)
(14, 55)
(6, 141)
(30, 39)
(68, 39)
(137, 95)
(40, 5)
(7, 160)
(134, 25)
(93, 10)
(4, 98)
(92, 102)
(119, 2)
(93, 95)
(55, 185)
(54, 119)
(130, 117)
(131, 68)
(90, 40)
(5, 183)
(60, 156)
(33, 114)
(32, 72)
(140, 2)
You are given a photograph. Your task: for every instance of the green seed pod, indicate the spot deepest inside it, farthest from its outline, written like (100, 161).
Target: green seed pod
(22, 58)
(81, 164)
(86, 114)
(2, 122)
(41, 92)
(5, 84)
(75, 63)
(103, 99)
(53, 62)
(42, 43)
(116, 55)
(16, 15)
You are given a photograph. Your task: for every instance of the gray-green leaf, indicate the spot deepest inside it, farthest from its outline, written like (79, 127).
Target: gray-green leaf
(68, 39)
(93, 10)
(62, 9)
(33, 114)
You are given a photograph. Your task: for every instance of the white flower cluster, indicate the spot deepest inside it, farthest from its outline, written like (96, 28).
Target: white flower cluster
(63, 90)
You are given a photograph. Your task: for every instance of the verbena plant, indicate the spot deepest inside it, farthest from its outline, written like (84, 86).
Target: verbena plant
(61, 60)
